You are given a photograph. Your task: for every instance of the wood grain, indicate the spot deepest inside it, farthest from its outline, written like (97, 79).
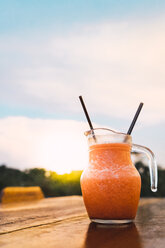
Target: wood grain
(63, 222)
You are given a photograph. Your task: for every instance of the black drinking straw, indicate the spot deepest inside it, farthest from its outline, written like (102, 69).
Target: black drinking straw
(135, 118)
(87, 115)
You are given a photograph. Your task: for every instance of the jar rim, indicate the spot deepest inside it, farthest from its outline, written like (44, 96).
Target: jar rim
(110, 136)
(91, 131)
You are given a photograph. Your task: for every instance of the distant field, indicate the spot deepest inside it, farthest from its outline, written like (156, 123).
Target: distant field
(51, 183)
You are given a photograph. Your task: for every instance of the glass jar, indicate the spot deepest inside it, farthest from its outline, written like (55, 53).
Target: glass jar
(110, 183)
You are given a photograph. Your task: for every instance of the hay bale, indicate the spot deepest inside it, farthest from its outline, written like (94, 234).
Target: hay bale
(20, 194)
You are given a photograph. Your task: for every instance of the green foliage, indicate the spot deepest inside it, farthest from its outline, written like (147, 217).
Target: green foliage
(53, 184)
(50, 182)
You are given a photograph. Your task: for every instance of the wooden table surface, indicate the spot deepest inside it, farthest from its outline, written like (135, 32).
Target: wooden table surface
(62, 222)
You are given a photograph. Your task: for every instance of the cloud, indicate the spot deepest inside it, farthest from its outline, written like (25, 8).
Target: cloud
(115, 65)
(57, 145)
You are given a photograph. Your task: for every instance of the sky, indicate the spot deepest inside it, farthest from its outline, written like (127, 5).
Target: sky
(111, 52)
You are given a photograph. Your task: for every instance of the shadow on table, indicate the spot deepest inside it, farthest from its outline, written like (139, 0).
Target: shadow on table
(112, 236)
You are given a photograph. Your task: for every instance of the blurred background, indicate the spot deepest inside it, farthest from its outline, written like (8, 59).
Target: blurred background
(111, 52)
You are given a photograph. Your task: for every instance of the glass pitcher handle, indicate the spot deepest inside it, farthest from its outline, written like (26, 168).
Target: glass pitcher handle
(152, 164)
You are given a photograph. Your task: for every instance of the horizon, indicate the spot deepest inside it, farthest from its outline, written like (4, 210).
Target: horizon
(69, 172)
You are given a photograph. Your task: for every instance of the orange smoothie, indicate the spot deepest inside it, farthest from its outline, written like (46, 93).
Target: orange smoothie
(111, 184)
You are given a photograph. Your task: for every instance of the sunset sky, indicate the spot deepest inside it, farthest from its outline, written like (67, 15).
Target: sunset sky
(111, 52)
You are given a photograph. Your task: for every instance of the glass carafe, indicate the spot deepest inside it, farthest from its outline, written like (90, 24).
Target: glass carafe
(110, 183)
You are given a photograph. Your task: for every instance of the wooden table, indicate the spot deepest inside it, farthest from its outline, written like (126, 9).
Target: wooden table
(63, 223)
